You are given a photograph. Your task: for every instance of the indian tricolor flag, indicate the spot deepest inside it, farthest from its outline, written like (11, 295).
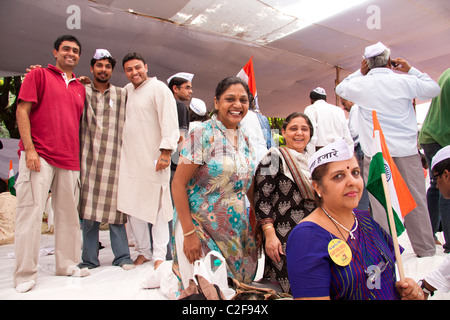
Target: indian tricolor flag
(248, 75)
(398, 195)
(11, 179)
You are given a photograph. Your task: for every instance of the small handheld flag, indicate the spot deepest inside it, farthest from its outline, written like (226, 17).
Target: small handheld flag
(386, 184)
(401, 199)
(247, 73)
(11, 179)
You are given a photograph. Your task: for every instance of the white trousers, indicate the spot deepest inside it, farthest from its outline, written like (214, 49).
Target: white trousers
(160, 236)
(32, 192)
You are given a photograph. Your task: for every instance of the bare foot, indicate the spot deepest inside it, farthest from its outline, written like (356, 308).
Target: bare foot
(140, 260)
(128, 266)
(158, 263)
(25, 286)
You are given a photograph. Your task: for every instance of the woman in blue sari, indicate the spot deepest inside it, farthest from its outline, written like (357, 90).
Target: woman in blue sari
(337, 252)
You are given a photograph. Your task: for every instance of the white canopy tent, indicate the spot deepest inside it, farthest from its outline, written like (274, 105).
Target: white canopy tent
(296, 45)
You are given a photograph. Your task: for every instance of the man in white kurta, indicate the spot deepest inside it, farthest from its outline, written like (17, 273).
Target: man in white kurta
(375, 86)
(328, 121)
(150, 134)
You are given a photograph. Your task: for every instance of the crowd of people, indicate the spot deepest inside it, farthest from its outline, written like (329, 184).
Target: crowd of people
(151, 162)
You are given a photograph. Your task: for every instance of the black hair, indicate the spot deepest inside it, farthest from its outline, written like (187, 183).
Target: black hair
(132, 56)
(294, 115)
(195, 117)
(442, 166)
(228, 82)
(251, 101)
(66, 37)
(176, 81)
(111, 60)
(317, 96)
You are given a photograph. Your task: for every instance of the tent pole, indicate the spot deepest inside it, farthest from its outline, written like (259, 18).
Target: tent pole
(336, 82)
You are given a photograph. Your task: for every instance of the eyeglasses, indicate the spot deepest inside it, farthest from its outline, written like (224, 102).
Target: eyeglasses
(186, 87)
(435, 176)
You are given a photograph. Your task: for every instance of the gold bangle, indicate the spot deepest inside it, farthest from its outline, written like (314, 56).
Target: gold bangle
(189, 233)
(268, 227)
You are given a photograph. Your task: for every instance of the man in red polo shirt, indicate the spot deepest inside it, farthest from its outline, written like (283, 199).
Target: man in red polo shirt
(51, 102)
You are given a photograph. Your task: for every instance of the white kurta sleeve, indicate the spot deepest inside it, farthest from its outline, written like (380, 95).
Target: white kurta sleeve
(311, 113)
(168, 119)
(426, 88)
(440, 278)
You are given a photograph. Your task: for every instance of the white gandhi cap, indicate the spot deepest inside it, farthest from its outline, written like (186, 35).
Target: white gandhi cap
(441, 155)
(336, 151)
(374, 50)
(183, 75)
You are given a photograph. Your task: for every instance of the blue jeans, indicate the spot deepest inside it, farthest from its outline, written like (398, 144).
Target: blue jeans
(438, 207)
(119, 244)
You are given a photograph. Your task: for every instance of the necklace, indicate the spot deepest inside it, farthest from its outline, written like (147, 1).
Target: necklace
(335, 221)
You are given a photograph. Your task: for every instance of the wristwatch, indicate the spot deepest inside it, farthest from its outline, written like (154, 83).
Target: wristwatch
(422, 283)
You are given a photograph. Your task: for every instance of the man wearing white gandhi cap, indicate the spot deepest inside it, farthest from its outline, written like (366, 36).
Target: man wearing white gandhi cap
(328, 120)
(101, 130)
(374, 50)
(198, 106)
(439, 279)
(197, 113)
(375, 86)
(440, 166)
(182, 75)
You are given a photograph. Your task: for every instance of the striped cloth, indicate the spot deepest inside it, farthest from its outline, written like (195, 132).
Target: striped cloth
(100, 141)
(372, 246)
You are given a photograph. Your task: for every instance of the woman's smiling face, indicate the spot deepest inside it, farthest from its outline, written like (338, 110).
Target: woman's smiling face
(232, 106)
(297, 134)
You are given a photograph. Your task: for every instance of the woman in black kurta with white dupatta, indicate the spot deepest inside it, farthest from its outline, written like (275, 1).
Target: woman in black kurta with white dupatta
(283, 194)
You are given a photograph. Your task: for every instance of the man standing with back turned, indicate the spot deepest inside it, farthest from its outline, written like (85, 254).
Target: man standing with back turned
(328, 121)
(377, 87)
(51, 102)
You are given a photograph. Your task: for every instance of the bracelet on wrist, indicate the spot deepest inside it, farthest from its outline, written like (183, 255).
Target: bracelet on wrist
(422, 285)
(189, 233)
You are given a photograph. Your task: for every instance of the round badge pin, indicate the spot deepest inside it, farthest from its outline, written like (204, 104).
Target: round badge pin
(340, 252)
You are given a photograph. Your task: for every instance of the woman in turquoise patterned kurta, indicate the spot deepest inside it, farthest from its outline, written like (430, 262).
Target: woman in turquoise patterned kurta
(209, 187)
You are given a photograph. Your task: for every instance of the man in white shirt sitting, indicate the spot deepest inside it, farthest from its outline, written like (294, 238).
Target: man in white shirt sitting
(377, 87)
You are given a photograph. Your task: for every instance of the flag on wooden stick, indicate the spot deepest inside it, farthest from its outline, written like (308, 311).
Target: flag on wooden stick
(386, 184)
(402, 201)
